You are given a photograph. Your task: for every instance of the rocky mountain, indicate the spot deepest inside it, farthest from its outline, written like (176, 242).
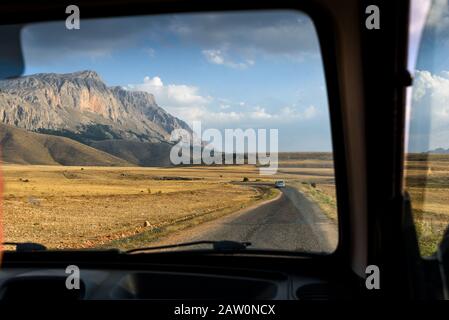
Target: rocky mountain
(80, 106)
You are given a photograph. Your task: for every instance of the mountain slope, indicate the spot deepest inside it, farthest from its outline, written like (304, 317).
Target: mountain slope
(136, 152)
(23, 147)
(80, 106)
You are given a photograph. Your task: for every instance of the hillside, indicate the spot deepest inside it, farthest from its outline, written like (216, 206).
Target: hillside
(139, 153)
(23, 147)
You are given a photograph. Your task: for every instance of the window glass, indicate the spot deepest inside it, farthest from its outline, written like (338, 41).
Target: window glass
(427, 166)
(142, 131)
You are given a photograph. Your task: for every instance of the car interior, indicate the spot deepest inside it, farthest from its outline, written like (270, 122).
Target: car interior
(368, 76)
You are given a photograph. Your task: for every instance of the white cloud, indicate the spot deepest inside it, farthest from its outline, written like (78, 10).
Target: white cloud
(220, 57)
(286, 114)
(214, 56)
(187, 103)
(430, 110)
(153, 82)
(223, 117)
(183, 101)
(431, 91)
(260, 113)
(310, 112)
(150, 52)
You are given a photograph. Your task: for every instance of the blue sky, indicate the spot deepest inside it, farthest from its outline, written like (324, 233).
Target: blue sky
(233, 70)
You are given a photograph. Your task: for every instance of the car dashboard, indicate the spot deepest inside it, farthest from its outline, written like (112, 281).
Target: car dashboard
(199, 279)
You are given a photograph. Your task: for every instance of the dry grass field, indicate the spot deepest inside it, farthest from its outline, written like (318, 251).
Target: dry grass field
(85, 207)
(427, 182)
(428, 185)
(68, 207)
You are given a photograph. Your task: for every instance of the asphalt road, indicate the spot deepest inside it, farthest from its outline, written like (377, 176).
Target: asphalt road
(290, 222)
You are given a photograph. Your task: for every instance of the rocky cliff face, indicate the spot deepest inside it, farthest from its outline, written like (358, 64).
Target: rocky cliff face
(80, 105)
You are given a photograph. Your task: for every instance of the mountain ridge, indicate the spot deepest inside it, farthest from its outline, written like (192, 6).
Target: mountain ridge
(73, 102)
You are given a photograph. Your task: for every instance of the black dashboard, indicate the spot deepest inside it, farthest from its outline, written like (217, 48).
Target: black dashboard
(200, 277)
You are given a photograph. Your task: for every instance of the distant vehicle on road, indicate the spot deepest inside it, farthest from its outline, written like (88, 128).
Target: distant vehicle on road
(280, 184)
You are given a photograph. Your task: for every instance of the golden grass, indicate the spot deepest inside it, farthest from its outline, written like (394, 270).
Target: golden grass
(67, 207)
(427, 182)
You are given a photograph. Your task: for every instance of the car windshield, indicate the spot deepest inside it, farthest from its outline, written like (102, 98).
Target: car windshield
(155, 130)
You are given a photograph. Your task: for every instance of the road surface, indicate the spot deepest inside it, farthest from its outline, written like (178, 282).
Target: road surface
(289, 222)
